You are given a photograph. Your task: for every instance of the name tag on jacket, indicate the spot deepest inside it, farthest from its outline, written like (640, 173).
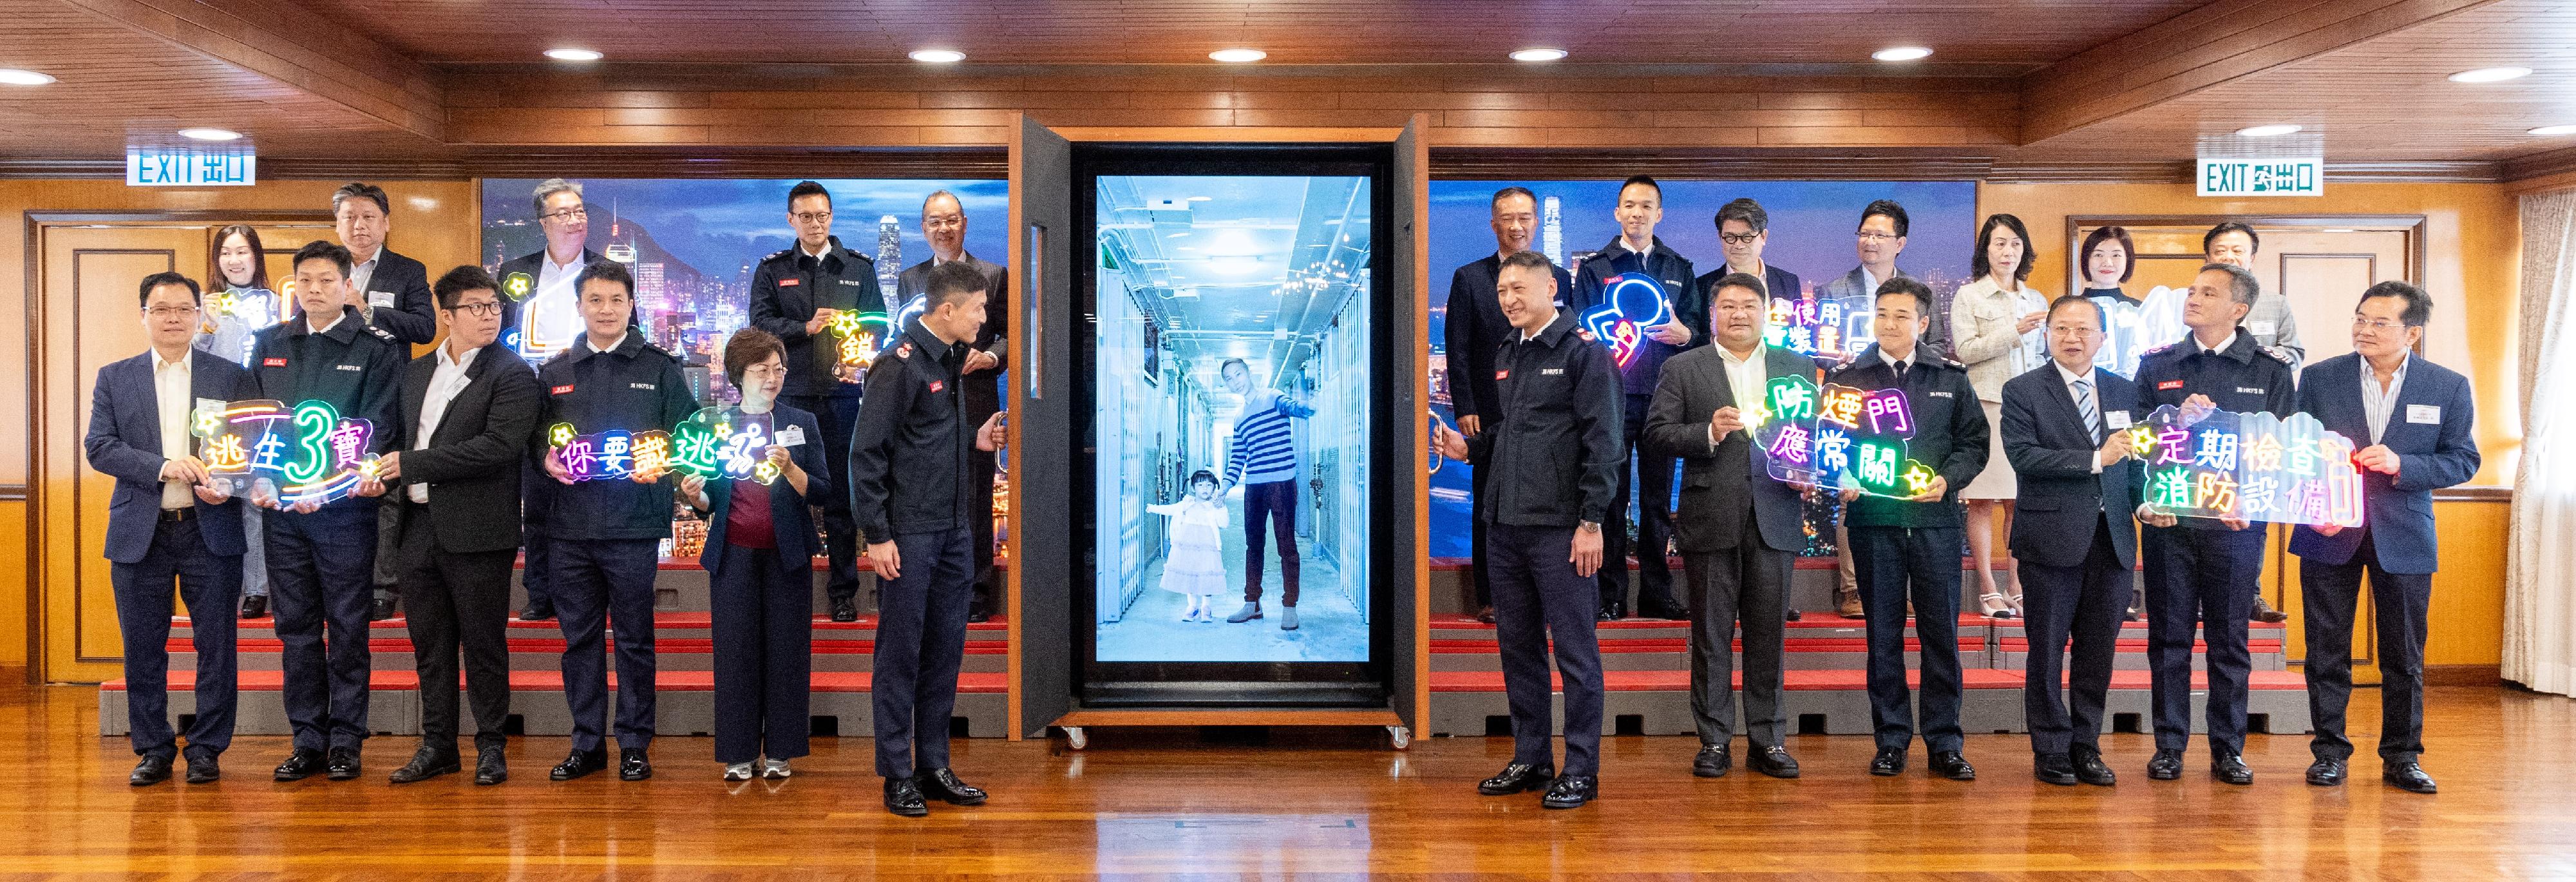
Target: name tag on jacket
(2427, 414)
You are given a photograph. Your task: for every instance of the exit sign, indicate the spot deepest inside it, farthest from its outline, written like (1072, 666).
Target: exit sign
(2262, 177)
(191, 167)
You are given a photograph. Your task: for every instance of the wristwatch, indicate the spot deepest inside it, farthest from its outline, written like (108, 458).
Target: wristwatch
(1589, 526)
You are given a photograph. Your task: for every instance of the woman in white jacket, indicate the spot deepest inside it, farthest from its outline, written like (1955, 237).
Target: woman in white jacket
(1995, 321)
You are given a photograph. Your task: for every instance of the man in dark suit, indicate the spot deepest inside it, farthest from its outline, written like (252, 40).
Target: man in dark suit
(1474, 330)
(462, 418)
(943, 224)
(1739, 528)
(391, 292)
(795, 293)
(2064, 431)
(2418, 418)
(541, 316)
(164, 522)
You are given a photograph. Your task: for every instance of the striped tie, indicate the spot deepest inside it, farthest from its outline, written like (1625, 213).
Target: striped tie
(2092, 414)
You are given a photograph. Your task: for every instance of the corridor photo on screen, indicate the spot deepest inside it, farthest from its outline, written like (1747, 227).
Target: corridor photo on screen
(1232, 419)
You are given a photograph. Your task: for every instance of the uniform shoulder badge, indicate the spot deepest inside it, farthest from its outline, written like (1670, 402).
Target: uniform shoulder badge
(382, 334)
(2159, 350)
(774, 255)
(903, 350)
(2279, 354)
(1952, 364)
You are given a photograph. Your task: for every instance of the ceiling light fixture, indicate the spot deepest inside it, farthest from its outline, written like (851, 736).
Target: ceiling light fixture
(1238, 56)
(2269, 131)
(1537, 54)
(938, 56)
(209, 134)
(574, 54)
(1902, 53)
(2547, 131)
(2491, 75)
(11, 76)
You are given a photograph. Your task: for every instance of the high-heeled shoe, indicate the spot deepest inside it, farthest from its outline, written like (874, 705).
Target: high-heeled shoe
(1996, 606)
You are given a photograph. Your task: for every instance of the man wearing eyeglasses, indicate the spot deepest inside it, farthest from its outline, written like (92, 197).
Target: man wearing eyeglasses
(1743, 230)
(540, 316)
(794, 295)
(943, 225)
(1879, 239)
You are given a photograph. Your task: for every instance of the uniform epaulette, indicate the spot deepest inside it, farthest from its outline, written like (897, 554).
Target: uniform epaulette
(1953, 363)
(2279, 354)
(2159, 350)
(382, 334)
(774, 255)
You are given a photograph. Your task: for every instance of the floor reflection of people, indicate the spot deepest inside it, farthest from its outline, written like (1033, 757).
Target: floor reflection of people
(1196, 567)
(1264, 463)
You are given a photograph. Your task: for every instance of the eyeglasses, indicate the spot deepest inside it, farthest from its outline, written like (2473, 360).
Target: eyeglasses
(479, 310)
(812, 217)
(2376, 326)
(943, 222)
(2074, 332)
(1739, 238)
(1876, 237)
(564, 216)
(170, 312)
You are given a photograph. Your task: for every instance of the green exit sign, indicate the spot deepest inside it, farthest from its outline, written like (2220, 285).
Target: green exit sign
(2261, 177)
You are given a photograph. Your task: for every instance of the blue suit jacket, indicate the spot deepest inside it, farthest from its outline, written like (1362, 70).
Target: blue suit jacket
(2397, 510)
(2052, 459)
(789, 519)
(125, 442)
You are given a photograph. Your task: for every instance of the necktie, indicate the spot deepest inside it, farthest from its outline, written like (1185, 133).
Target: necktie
(1900, 373)
(2084, 405)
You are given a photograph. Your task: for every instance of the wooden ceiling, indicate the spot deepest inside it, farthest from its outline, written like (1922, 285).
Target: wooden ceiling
(2136, 84)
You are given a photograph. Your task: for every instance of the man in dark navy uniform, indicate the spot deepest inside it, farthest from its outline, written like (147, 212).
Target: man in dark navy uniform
(943, 225)
(2202, 573)
(794, 295)
(1637, 250)
(1473, 331)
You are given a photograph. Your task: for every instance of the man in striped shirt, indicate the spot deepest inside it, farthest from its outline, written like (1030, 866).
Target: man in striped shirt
(1264, 462)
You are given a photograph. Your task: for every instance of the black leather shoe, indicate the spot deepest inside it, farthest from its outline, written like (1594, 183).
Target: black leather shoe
(976, 615)
(152, 769)
(942, 784)
(1672, 611)
(299, 765)
(2231, 768)
(490, 767)
(342, 764)
(255, 606)
(381, 609)
(1611, 612)
(1713, 761)
(2326, 773)
(2090, 769)
(845, 609)
(1791, 616)
(1889, 761)
(903, 797)
(1773, 761)
(1953, 765)
(202, 769)
(581, 762)
(1516, 778)
(2263, 611)
(633, 765)
(2409, 777)
(426, 763)
(1486, 615)
(537, 613)
(1571, 791)
(2054, 768)
(2166, 766)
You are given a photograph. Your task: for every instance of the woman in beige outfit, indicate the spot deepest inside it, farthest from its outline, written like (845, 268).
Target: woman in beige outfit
(1995, 321)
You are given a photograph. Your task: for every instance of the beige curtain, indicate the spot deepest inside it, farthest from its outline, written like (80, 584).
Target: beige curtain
(2540, 586)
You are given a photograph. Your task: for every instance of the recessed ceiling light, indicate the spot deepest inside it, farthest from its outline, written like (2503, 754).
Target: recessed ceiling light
(2268, 131)
(2554, 130)
(209, 134)
(1201, 198)
(1901, 53)
(11, 76)
(938, 56)
(1537, 54)
(574, 54)
(1238, 56)
(2491, 75)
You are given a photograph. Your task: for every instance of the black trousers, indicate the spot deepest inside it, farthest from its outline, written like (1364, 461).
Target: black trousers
(599, 584)
(2082, 604)
(2204, 580)
(452, 601)
(1651, 488)
(1537, 596)
(1750, 583)
(321, 577)
(921, 644)
(211, 585)
(1895, 564)
(2398, 602)
(1276, 503)
(763, 617)
(536, 572)
(838, 414)
(1476, 533)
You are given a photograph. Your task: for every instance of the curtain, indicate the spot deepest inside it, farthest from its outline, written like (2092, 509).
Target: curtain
(2540, 571)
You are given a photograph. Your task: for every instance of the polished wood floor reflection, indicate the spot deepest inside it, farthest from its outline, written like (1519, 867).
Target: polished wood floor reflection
(1167, 802)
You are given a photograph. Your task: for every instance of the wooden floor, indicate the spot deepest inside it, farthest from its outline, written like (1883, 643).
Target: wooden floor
(1165, 802)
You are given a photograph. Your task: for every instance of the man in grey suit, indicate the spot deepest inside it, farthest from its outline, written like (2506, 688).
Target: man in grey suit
(1739, 528)
(943, 224)
(167, 521)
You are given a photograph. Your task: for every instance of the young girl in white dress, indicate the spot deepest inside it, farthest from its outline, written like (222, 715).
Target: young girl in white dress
(1195, 569)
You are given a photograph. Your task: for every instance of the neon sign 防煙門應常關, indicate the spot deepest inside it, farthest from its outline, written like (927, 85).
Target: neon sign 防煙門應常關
(1837, 435)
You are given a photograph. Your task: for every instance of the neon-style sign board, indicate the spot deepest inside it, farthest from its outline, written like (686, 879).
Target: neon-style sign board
(724, 442)
(1817, 327)
(2251, 466)
(2129, 330)
(612, 454)
(1825, 435)
(861, 336)
(306, 454)
(1632, 303)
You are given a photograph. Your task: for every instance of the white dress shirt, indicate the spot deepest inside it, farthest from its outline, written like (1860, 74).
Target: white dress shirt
(363, 271)
(552, 315)
(444, 383)
(170, 387)
(2381, 404)
(1746, 378)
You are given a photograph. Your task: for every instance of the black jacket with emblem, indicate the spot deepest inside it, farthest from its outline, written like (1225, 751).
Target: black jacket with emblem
(909, 452)
(788, 286)
(1950, 435)
(2243, 377)
(636, 387)
(1552, 434)
(351, 366)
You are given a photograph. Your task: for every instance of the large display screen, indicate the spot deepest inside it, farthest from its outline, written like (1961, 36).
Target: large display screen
(1231, 418)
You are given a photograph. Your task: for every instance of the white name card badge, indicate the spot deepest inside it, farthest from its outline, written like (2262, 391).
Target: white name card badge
(790, 436)
(2427, 414)
(2117, 419)
(191, 167)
